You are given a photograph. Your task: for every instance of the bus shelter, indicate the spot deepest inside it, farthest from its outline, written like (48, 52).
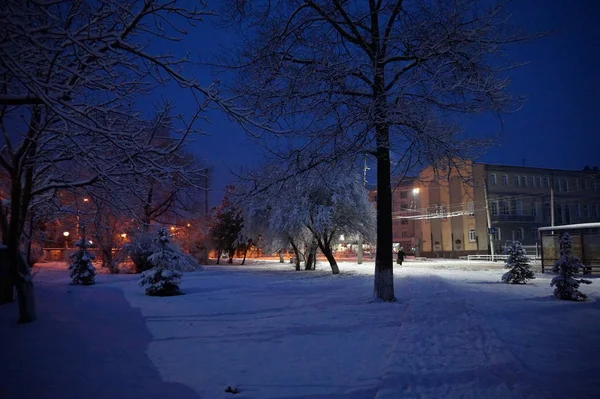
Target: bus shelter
(586, 245)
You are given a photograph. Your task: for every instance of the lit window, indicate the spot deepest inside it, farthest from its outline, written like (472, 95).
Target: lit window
(471, 208)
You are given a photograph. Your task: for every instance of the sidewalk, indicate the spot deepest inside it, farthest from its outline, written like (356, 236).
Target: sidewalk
(79, 349)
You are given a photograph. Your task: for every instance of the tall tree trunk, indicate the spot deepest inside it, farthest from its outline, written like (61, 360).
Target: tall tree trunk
(281, 256)
(20, 272)
(384, 262)
(218, 255)
(296, 253)
(325, 246)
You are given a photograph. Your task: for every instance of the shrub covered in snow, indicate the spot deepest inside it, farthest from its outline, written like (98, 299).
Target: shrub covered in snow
(144, 245)
(139, 250)
(518, 263)
(81, 268)
(163, 279)
(567, 266)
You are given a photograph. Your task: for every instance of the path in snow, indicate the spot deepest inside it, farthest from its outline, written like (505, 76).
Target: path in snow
(444, 349)
(87, 344)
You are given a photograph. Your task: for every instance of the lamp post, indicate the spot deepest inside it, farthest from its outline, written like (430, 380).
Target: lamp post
(66, 234)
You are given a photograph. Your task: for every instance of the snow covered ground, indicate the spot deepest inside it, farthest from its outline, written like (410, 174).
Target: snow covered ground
(272, 332)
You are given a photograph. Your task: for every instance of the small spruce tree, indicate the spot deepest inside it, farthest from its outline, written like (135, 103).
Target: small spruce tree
(518, 263)
(567, 267)
(162, 279)
(81, 268)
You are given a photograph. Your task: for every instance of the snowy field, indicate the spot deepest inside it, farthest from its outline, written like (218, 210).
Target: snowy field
(272, 332)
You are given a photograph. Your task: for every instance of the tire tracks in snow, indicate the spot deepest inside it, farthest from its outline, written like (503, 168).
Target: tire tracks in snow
(444, 349)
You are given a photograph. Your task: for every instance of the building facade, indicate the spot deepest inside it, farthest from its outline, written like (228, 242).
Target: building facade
(449, 218)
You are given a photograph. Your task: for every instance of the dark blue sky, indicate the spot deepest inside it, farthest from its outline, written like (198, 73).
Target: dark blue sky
(558, 127)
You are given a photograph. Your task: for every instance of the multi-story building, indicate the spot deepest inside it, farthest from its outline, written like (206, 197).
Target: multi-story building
(404, 213)
(451, 205)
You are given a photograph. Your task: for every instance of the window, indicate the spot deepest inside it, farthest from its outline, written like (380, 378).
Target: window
(470, 208)
(578, 210)
(493, 179)
(531, 181)
(586, 210)
(472, 235)
(546, 182)
(403, 207)
(589, 185)
(534, 209)
(405, 234)
(495, 208)
(575, 185)
(403, 221)
(505, 180)
(565, 185)
(403, 194)
(517, 181)
(519, 208)
(566, 214)
(496, 234)
(538, 182)
(504, 208)
(597, 210)
(524, 181)
(557, 185)
(519, 233)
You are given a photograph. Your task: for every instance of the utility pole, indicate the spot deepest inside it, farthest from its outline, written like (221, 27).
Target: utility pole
(360, 240)
(551, 206)
(489, 219)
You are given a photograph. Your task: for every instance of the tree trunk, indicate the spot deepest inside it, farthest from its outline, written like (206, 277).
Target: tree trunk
(245, 253)
(324, 245)
(281, 256)
(311, 262)
(296, 254)
(384, 262)
(218, 255)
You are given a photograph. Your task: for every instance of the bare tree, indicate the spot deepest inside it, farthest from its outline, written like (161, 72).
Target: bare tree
(345, 78)
(70, 74)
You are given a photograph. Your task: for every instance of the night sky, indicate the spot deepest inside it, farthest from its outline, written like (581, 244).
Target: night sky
(558, 127)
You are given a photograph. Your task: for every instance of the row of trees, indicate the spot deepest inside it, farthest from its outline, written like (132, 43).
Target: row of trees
(323, 81)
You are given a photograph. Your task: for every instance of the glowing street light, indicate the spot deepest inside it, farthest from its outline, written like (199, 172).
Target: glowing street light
(66, 234)
(124, 235)
(416, 190)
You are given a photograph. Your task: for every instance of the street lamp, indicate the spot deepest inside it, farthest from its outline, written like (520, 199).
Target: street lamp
(66, 234)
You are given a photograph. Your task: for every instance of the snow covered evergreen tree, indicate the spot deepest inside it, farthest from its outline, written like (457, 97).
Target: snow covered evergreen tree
(81, 268)
(567, 266)
(163, 279)
(520, 270)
